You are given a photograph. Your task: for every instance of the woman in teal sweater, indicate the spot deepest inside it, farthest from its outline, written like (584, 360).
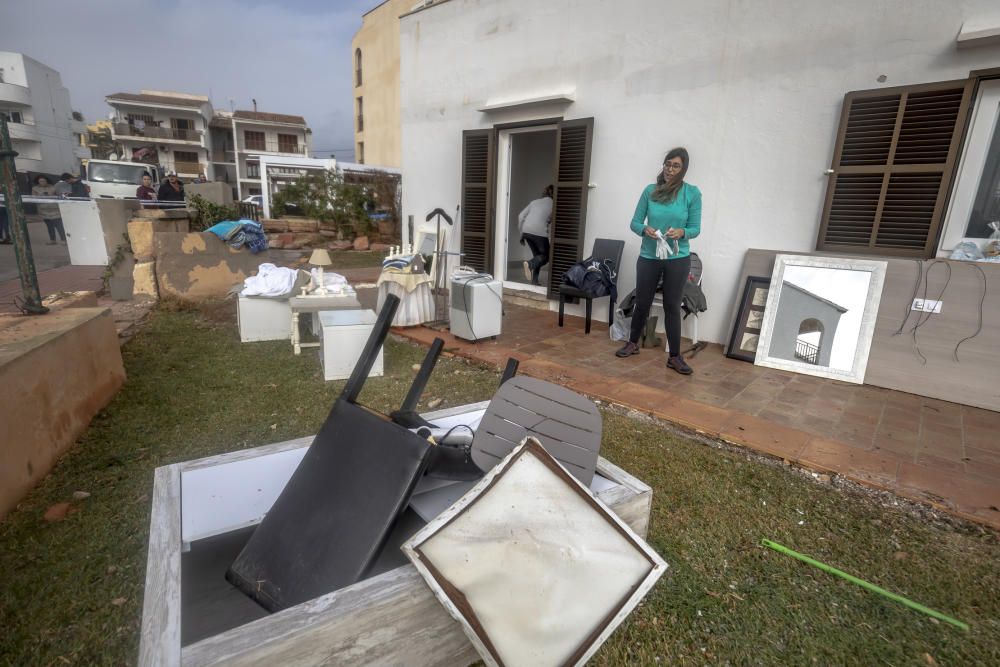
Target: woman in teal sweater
(667, 217)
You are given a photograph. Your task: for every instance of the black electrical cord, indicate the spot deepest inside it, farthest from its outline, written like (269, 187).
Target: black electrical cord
(486, 279)
(982, 302)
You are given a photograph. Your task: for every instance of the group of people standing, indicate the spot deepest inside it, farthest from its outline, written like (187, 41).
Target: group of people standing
(171, 189)
(68, 186)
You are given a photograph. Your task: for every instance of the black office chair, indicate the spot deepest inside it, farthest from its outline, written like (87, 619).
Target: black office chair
(604, 249)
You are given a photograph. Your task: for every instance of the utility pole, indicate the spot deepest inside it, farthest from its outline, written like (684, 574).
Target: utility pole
(18, 225)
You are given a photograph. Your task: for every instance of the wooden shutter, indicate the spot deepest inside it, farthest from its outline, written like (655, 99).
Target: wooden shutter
(892, 169)
(477, 199)
(574, 139)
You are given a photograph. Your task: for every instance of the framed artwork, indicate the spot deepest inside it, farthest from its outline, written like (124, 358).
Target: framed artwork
(749, 319)
(820, 316)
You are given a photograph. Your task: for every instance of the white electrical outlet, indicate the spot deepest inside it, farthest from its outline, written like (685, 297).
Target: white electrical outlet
(926, 306)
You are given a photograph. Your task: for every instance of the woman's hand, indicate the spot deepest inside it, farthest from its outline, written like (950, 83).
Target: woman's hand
(675, 234)
(649, 231)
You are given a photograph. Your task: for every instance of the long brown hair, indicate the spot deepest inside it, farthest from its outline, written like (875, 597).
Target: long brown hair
(665, 191)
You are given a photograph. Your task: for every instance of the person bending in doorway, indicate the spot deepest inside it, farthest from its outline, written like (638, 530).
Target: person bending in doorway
(667, 217)
(49, 212)
(533, 223)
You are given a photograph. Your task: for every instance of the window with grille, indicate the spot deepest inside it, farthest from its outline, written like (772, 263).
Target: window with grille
(253, 141)
(892, 169)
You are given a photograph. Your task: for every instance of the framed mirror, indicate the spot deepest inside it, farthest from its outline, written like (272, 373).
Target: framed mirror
(820, 316)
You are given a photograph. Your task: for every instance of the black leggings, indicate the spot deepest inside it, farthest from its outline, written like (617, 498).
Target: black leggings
(647, 277)
(539, 250)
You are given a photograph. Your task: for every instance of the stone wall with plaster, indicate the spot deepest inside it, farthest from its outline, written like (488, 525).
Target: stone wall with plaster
(195, 266)
(56, 373)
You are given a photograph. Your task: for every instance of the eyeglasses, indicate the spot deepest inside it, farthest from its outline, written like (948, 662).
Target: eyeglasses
(670, 166)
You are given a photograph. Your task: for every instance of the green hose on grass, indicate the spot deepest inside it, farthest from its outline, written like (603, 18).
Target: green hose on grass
(865, 584)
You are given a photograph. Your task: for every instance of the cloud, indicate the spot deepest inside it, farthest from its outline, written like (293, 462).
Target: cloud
(293, 58)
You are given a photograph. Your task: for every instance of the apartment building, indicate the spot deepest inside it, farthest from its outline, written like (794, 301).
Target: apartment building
(184, 133)
(44, 130)
(164, 128)
(239, 138)
(375, 57)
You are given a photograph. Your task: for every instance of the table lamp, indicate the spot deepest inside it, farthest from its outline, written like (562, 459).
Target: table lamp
(320, 258)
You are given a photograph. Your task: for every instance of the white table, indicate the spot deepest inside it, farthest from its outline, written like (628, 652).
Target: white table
(315, 303)
(344, 335)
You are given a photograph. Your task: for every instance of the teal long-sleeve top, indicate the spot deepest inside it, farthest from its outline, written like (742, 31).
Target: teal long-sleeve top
(684, 212)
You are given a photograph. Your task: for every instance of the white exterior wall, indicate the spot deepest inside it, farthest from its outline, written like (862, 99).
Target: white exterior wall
(45, 138)
(753, 89)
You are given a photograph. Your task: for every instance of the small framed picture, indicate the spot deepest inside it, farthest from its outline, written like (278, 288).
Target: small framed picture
(749, 319)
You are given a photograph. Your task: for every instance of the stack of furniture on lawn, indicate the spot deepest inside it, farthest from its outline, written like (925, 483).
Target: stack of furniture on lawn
(314, 531)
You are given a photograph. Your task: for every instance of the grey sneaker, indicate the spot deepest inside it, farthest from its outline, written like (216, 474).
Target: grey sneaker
(628, 350)
(677, 363)
(527, 271)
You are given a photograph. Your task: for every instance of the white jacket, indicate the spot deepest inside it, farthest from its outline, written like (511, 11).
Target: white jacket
(534, 219)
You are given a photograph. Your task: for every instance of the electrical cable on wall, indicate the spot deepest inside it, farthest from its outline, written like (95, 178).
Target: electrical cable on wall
(923, 318)
(982, 302)
(906, 306)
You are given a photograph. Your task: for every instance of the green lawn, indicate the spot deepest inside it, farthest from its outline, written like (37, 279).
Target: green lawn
(72, 590)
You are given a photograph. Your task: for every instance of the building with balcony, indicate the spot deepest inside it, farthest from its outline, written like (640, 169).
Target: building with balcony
(183, 133)
(165, 128)
(44, 129)
(258, 133)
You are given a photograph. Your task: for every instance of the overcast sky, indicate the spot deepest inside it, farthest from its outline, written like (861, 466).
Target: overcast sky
(294, 57)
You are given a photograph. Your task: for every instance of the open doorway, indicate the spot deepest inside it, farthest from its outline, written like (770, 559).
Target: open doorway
(527, 167)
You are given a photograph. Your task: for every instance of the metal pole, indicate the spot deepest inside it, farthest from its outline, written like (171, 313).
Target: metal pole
(18, 225)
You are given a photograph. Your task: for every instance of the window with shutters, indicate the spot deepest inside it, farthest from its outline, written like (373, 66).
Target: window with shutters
(288, 143)
(254, 141)
(892, 169)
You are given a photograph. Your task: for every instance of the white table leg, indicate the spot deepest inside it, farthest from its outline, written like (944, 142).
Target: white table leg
(295, 332)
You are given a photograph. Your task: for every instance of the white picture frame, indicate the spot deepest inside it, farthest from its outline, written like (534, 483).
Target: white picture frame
(856, 373)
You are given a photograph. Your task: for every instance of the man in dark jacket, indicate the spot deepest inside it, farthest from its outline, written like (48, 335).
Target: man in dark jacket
(70, 185)
(171, 189)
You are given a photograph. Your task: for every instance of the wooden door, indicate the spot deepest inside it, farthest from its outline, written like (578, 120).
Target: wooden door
(574, 140)
(478, 186)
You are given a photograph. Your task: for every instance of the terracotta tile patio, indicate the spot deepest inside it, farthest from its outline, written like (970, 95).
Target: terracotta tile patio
(924, 449)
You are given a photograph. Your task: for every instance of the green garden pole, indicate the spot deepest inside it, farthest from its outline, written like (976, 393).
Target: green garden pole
(865, 584)
(17, 224)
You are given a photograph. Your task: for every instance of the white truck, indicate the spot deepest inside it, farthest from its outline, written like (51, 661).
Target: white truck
(118, 179)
